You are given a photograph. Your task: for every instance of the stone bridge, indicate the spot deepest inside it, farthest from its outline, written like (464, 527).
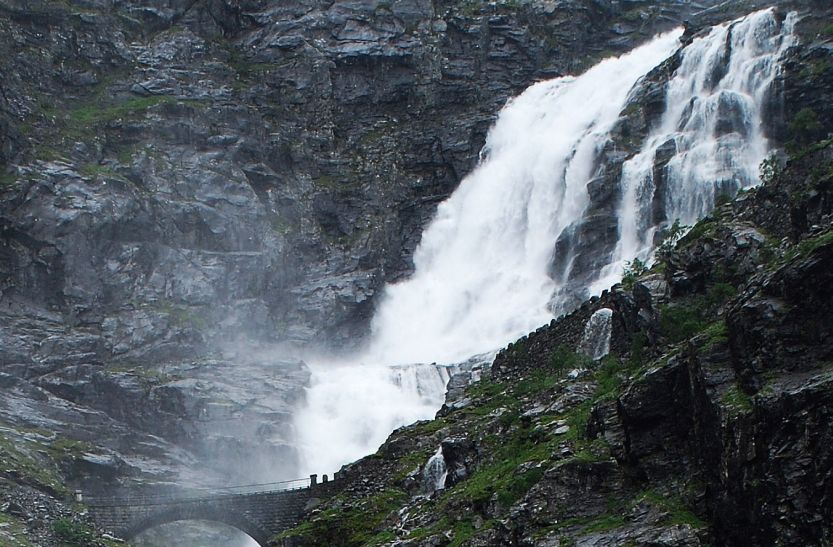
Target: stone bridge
(260, 513)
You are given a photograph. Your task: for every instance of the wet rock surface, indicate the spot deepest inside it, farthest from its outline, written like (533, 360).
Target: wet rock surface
(30, 517)
(183, 179)
(180, 180)
(707, 424)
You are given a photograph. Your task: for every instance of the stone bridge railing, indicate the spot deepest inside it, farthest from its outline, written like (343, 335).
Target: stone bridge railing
(261, 511)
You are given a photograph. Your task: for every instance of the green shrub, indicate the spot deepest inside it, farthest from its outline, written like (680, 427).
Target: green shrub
(717, 295)
(563, 359)
(73, 534)
(770, 169)
(736, 401)
(670, 237)
(633, 271)
(637, 353)
(680, 321)
(355, 525)
(806, 127)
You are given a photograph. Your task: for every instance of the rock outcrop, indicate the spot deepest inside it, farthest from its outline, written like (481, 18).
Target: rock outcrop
(189, 191)
(707, 424)
(181, 180)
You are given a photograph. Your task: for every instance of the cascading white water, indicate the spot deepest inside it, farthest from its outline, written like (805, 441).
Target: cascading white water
(481, 268)
(712, 123)
(481, 277)
(434, 473)
(595, 343)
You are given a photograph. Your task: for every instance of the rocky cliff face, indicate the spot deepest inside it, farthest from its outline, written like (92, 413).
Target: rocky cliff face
(706, 423)
(191, 190)
(261, 169)
(183, 182)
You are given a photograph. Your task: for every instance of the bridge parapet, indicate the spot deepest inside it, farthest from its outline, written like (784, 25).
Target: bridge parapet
(259, 513)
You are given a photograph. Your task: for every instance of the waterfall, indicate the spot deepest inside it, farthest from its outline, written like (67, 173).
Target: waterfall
(434, 473)
(482, 270)
(713, 128)
(481, 276)
(595, 342)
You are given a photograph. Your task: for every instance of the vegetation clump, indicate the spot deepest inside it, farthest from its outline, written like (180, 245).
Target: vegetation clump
(806, 127)
(74, 534)
(359, 524)
(684, 319)
(18, 462)
(634, 269)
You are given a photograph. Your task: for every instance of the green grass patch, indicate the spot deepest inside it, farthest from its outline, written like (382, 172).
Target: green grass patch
(464, 530)
(7, 179)
(408, 463)
(802, 249)
(610, 373)
(424, 532)
(591, 451)
(604, 523)
(74, 534)
(486, 389)
(717, 334)
(826, 31)
(564, 359)
(279, 224)
(95, 171)
(678, 512)
(359, 524)
(13, 532)
(125, 154)
(84, 120)
(489, 396)
(96, 114)
(20, 465)
(424, 428)
(46, 152)
(586, 525)
(705, 228)
(807, 246)
(501, 474)
(538, 382)
(811, 149)
(736, 401)
(684, 319)
(816, 68)
(181, 316)
(471, 8)
(717, 295)
(805, 126)
(374, 135)
(69, 448)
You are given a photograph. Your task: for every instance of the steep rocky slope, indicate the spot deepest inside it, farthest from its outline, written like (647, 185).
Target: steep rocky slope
(263, 177)
(707, 423)
(190, 190)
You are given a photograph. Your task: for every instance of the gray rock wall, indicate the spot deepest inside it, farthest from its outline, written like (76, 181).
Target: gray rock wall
(184, 185)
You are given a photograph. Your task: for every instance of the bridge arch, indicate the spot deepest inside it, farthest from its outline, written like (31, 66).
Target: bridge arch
(261, 514)
(177, 513)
